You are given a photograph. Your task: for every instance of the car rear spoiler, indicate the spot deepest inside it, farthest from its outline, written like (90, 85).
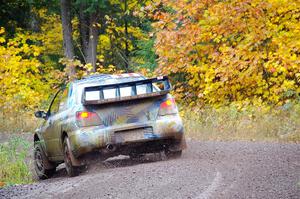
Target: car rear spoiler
(138, 89)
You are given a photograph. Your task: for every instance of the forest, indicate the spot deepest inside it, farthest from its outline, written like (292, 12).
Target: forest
(237, 56)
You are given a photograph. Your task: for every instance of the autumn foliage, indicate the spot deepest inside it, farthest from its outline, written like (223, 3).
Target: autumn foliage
(25, 81)
(219, 52)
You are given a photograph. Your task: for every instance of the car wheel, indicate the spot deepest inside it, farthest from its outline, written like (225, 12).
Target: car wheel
(173, 154)
(71, 170)
(42, 164)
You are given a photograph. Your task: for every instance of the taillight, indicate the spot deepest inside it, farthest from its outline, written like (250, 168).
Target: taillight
(86, 118)
(168, 107)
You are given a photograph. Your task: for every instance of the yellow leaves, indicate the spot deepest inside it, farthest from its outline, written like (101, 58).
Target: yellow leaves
(22, 85)
(294, 57)
(2, 30)
(218, 39)
(234, 51)
(288, 84)
(36, 54)
(51, 32)
(2, 40)
(88, 67)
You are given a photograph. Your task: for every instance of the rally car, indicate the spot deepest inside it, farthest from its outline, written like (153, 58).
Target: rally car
(124, 114)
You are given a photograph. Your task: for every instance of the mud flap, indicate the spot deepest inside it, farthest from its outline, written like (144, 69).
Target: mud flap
(75, 162)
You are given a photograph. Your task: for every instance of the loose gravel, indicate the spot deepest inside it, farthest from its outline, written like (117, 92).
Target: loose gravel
(206, 170)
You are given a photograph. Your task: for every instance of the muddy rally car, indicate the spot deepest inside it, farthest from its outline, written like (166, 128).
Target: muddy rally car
(110, 115)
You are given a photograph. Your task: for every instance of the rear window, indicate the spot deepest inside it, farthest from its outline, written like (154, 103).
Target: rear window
(111, 93)
(126, 91)
(92, 95)
(141, 89)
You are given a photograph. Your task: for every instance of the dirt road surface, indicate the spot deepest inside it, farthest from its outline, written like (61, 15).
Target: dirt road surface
(206, 170)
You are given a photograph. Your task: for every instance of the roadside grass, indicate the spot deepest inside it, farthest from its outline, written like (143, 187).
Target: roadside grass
(13, 166)
(249, 123)
(17, 121)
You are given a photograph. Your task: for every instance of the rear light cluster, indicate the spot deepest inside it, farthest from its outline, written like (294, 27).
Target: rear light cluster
(168, 107)
(86, 118)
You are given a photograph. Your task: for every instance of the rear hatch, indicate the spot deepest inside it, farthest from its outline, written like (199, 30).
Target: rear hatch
(125, 112)
(127, 100)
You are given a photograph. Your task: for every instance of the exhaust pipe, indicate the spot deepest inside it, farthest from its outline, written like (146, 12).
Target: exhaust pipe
(110, 147)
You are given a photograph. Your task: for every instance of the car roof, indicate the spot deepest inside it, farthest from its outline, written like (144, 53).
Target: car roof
(103, 79)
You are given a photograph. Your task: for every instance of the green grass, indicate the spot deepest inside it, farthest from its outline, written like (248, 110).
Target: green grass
(13, 166)
(249, 123)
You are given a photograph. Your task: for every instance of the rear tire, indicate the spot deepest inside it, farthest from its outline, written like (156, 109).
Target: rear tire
(43, 168)
(71, 170)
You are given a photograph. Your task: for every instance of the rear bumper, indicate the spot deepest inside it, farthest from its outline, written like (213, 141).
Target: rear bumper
(88, 139)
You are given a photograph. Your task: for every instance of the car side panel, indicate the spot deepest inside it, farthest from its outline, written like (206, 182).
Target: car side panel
(63, 122)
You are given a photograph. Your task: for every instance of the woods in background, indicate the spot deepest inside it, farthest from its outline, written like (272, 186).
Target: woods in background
(236, 51)
(216, 52)
(46, 43)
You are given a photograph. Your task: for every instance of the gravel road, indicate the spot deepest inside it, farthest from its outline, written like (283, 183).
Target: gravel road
(206, 170)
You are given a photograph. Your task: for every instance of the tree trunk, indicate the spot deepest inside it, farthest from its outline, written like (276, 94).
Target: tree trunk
(67, 32)
(84, 30)
(91, 56)
(126, 36)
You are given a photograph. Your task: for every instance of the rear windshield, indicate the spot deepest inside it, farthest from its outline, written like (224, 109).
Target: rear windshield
(110, 93)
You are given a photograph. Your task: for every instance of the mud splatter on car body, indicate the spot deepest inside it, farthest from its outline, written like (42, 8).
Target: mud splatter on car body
(114, 114)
